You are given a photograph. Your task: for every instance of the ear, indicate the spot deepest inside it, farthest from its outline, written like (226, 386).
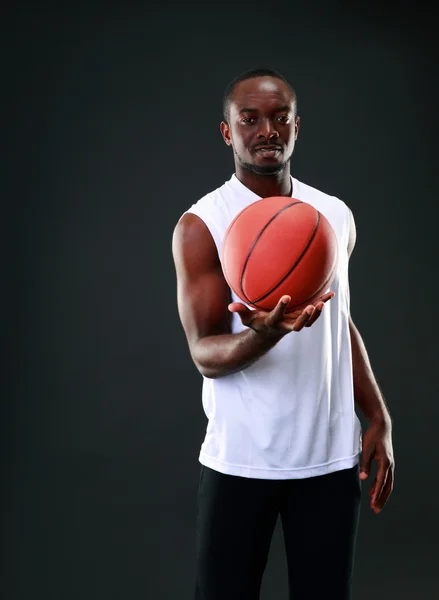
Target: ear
(225, 132)
(296, 127)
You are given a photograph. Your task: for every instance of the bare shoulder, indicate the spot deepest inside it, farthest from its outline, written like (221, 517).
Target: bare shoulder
(352, 232)
(202, 291)
(190, 228)
(192, 244)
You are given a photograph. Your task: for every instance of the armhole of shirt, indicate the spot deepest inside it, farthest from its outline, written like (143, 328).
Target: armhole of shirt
(209, 224)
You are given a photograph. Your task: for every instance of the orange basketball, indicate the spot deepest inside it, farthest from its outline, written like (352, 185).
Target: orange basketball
(278, 246)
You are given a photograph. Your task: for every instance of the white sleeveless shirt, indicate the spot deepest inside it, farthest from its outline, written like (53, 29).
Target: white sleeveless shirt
(291, 413)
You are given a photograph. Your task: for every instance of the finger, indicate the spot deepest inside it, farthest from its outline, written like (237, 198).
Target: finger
(380, 479)
(366, 460)
(327, 296)
(385, 493)
(316, 314)
(319, 307)
(279, 310)
(302, 319)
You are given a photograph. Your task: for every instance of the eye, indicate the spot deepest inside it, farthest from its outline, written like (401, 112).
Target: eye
(283, 118)
(248, 120)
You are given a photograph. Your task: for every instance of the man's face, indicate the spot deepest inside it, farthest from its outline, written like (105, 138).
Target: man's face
(262, 126)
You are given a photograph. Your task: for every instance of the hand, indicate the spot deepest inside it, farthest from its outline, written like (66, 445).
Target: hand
(377, 444)
(279, 322)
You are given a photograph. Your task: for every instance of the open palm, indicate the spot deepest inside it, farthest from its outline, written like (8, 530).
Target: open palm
(279, 320)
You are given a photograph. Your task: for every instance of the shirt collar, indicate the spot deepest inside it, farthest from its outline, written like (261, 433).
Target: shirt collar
(240, 188)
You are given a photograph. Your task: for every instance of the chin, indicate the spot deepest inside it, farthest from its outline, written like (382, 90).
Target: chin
(262, 168)
(273, 169)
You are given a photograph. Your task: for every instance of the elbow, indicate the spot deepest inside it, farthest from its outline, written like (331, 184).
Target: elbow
(208, 372)
(210, 364)
(203, 362)
(215, 372)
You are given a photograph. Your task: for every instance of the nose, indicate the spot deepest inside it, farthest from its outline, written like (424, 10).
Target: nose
(267, 130)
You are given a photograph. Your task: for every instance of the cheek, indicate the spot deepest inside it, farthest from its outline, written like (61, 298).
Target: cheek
(240, 143)
(290, 140)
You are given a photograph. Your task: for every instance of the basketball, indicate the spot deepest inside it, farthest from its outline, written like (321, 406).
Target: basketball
(278, 246)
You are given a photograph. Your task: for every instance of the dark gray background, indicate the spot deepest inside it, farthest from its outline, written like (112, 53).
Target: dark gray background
(112, 128)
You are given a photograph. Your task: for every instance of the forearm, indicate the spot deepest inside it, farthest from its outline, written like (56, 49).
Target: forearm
(366, 391)
(219, 355)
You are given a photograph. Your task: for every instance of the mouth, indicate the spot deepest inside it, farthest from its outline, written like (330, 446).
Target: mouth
(268, 151)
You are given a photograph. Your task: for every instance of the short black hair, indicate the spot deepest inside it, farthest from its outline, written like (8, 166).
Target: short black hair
(251, 74)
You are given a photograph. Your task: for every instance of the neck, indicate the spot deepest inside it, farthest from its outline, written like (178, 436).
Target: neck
(266, 186)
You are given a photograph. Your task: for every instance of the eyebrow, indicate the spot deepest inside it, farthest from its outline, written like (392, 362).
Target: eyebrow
(281, 108)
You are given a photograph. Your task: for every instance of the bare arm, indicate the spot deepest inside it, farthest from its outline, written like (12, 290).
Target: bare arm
(377, 439)
(367, 393)
(204, 307)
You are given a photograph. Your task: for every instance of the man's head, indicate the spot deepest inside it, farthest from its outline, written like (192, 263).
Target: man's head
(260, 121)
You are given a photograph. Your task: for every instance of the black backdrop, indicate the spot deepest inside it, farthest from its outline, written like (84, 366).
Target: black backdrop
(112, 130)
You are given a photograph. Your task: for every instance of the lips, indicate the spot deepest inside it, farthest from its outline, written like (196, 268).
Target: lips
(268, 151)
(268, 147)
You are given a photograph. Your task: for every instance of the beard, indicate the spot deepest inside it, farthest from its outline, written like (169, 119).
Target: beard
(274, 169)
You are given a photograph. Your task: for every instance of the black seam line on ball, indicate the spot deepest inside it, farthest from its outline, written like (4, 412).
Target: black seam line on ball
(295, 264)
(256, 241)
(302, 302)
(321, 288)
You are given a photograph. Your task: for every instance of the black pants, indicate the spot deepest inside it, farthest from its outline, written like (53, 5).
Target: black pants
(236, 517)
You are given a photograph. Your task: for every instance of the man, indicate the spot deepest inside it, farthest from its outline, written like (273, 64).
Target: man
(283, 437)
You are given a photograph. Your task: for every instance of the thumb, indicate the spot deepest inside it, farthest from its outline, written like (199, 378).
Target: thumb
(366, 461)
(238, 307)
(245, 314)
